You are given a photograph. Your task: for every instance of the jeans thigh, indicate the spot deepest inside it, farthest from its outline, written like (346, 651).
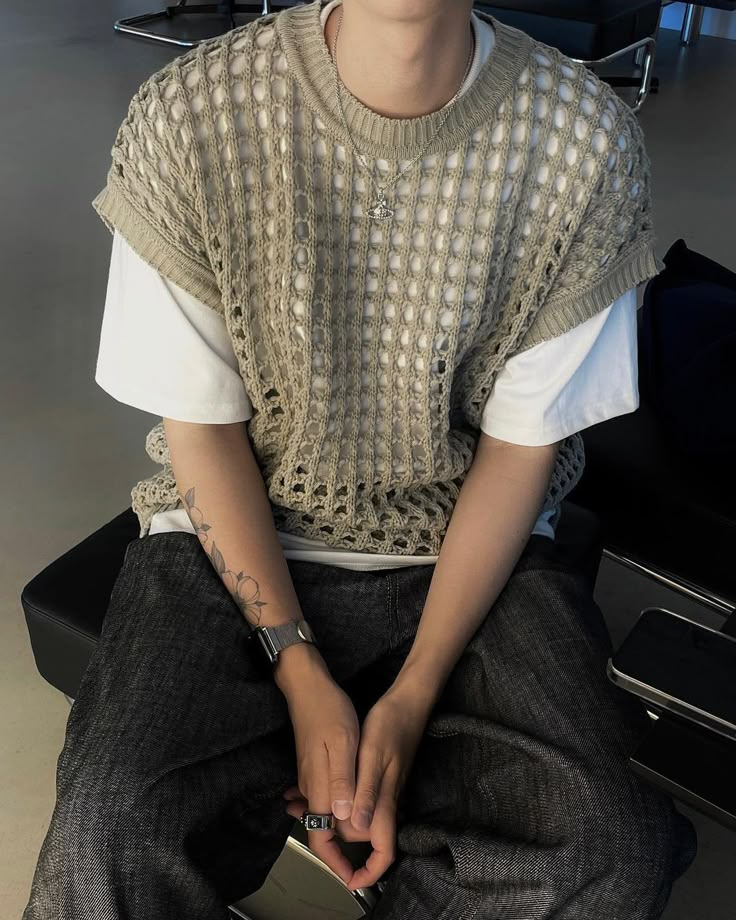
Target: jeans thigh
(172, 679)
(521, 800)
(537, 662)
(529, 734)
(175, 677)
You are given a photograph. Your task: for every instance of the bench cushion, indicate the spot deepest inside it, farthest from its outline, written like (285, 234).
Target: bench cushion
(65, 603)
(654, 506)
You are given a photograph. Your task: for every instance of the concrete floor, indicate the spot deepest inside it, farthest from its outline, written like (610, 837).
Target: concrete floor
(71, 453)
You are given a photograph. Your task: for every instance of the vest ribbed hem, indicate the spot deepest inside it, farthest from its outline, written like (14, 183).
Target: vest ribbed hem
(309, 59)
(580, 302)
(117, 213)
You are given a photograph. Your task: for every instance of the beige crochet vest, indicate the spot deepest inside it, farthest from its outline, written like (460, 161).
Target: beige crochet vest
(369, 349)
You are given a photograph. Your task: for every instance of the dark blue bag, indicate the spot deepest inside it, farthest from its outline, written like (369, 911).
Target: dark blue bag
(687, 355)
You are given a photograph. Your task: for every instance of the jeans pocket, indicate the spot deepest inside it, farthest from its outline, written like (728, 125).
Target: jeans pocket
(129, 547)
(139, 541)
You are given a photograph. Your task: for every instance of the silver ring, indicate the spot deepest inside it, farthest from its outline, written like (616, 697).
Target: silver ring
(316, 822)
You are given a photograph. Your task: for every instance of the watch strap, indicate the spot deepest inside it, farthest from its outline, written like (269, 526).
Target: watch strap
(276, 638)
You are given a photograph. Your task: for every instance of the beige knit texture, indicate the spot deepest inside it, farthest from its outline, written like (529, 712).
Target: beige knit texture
(369, 349)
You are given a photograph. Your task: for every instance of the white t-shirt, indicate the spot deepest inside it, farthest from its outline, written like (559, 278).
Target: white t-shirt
(185, 368)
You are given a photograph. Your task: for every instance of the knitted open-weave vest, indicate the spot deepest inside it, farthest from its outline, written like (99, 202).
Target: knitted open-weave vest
(369, 349)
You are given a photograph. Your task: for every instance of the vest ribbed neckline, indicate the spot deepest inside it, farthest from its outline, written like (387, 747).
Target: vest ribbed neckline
(310, 62)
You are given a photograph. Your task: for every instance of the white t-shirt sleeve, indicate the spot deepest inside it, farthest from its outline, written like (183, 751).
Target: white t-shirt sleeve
(577, 379)
(162, 350)
(167, 353)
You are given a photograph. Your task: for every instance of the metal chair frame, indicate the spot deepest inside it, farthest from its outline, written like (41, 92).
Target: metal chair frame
(131, 25)
(692, 23)
(644, 51)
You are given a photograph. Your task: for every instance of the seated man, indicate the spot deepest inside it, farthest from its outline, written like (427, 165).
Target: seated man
(375, 265)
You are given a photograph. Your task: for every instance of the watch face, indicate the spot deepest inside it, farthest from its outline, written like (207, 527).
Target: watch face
(304, 631)
(259, 655)
(266, 641)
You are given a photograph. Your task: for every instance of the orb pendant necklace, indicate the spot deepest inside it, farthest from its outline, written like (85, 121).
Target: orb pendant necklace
(380, 210)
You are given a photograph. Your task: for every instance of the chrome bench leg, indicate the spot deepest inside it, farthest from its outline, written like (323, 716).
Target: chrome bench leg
(647, 67)
(691, 24)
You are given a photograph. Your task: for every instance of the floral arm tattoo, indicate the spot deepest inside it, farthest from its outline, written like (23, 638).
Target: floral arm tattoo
(244, 588)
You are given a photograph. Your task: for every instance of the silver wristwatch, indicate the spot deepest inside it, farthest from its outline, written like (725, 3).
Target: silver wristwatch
(273, 639)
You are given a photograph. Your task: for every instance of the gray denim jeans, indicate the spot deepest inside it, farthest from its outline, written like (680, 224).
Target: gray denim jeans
(520, 805)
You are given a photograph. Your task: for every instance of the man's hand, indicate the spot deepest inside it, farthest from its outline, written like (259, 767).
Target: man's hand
(326, 737)
(389, 738)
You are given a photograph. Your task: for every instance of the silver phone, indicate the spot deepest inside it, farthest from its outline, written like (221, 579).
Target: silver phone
(678, 665)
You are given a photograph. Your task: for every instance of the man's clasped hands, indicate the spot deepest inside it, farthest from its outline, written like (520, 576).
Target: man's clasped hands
(355, 772)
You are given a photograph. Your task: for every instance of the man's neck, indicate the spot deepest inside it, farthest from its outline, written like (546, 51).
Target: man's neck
(401, 66)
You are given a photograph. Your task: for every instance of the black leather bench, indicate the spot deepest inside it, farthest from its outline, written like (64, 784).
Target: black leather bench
(675, 524)
(658, 509)
(584, 29)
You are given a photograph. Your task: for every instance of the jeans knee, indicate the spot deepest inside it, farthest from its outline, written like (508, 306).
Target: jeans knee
(686, 845)
(634, 835)
(107, 810)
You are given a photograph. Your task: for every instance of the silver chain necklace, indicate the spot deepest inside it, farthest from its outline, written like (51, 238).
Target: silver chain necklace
(380, 210)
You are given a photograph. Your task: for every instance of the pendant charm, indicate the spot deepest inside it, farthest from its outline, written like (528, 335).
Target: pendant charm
(380, 211)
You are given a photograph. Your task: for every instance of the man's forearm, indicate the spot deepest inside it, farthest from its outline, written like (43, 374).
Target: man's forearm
(499, 502)
(225, 497)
